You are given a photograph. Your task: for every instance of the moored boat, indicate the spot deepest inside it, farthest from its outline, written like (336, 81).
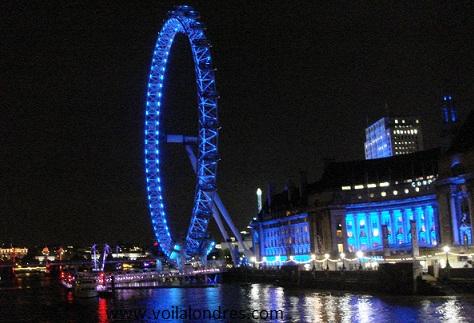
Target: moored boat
(86, 285)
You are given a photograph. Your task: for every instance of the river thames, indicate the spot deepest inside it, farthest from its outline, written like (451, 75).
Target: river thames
(38, 298)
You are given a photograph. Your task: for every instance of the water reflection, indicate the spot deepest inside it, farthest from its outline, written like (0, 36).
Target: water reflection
(47, 301)
(308, 306)
(364, 309)
(450, 311)
(102, 310)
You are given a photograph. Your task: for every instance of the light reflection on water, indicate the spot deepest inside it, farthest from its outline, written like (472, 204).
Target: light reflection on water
(47, 301)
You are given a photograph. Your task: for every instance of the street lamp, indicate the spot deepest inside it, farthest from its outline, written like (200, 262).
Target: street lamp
(326, 256)
(342, 255)
(446, 250)
(360, 255)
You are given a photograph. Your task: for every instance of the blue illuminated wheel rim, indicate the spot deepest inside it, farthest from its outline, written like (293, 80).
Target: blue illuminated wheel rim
(184, 20)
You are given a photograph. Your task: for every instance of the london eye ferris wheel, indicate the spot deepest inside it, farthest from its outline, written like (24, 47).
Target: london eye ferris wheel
(202, 148)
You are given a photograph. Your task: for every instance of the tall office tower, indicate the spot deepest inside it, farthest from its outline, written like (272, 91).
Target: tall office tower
(450, 121)
(391, 136)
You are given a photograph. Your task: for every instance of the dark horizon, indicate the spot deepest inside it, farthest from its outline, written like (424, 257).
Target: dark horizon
(298, 83)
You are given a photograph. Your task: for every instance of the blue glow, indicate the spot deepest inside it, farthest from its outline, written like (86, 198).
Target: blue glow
(286, 236)
(396, 214)
(351, 241)
(378, 143)
(302, 258)
(183, 20)
(376, 233)
(449, 110)
(466, 235)
(210, 247)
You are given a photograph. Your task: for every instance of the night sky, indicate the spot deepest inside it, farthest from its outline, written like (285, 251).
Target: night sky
(298, 82)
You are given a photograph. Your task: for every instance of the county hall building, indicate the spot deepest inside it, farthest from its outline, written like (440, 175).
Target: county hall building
(372, 205)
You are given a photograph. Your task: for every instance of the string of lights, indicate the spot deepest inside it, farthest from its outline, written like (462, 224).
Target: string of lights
(359, 257)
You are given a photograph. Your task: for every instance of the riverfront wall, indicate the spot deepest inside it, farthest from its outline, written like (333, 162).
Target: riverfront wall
(389, 278)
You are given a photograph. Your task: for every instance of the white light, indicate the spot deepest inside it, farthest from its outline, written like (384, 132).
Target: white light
(407, 190)
(346, 188)
(292, 258)
(259, 191)
(342, 255)
(384, 184)
(417, 189)
(326, 255)
(277, 258)
(359, 187)
(371, 185)
(253, 259)
(359, 254)
(264, 259)
(446, 249)
(383, 194)
(395, 192)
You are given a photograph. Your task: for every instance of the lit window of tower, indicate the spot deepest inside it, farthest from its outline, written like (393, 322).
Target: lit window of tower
(390, 136)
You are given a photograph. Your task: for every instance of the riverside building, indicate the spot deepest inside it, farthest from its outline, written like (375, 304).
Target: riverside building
(374, 206)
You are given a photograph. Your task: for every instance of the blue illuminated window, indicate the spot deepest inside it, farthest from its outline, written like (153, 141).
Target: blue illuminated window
(465, 235)
(376, 233)
(363, 234)
(364, 228)
(351, 242)
(399, 231)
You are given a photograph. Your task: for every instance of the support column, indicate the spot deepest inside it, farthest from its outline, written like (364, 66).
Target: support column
(344, 232)
(218, 203)
(313, 234)
(415, 250)
(326, 236)
(454, 215)
(406, 225)
(225, 235)
(333, 230)
(228, 220)
(393, 226)
(370, 231)
(445, 215)
(262, 241)
(356, 231)
(427, 225)
(470, 193)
